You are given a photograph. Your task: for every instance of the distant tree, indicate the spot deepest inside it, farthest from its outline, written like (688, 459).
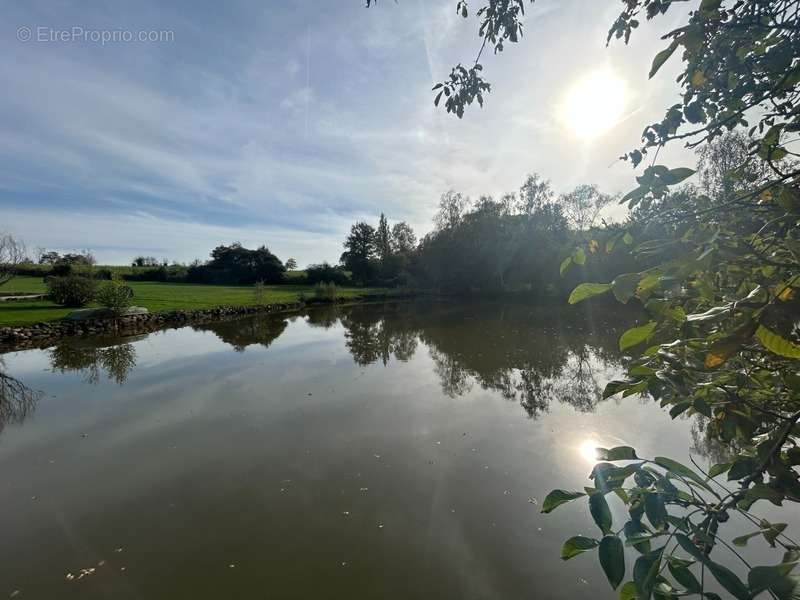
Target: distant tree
(383, 240)
(452, 206)
(360, 251)
(726, 166)
(12, 255)
(237, 264)
(403, 239)
(534, 194)
(49, 258)
(291, 264)
(326, 273)
(582, 206)
(84, 258)
(145, 261)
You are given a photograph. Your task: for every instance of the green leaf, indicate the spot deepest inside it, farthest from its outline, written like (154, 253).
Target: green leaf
(763, 578)
(624, 286)
(719, 469)
(565, 264)
(675, 176)
(655, 510)
(723, 575)
(612, 559)
(685, 577)
(601, 513)
(645, 570)
(577, 545)
(557, 498)
(587, 290)
(777, 344)
(617, 453)
(579, 257)
(628, 591)
(741, 467)
(742, 540)
(637, 335)
(662, 57)
(679, 469)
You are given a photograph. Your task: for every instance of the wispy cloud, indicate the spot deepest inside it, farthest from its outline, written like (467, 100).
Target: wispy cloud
(285, 125)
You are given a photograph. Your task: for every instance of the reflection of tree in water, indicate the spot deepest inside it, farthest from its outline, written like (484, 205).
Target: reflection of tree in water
(530, 355)
(17, 400)
(116, 361)
(376, 333)
(242, 333)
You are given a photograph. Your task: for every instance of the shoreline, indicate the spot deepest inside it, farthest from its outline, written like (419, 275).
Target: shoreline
(14, 338)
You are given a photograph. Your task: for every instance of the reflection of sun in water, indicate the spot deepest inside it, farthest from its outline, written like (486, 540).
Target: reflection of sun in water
(594, 104)
(588, 450)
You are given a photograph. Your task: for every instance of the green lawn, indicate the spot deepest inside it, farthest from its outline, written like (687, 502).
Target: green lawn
(157, 297)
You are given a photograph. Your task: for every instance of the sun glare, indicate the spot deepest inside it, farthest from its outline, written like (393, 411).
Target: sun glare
(588, 450)
(594, 104)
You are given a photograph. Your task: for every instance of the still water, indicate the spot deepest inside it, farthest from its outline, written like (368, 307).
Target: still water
(376, 451)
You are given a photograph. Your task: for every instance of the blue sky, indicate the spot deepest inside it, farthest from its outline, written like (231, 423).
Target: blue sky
(283, 122)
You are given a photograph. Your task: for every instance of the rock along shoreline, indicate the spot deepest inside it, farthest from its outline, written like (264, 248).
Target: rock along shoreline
(44, 334)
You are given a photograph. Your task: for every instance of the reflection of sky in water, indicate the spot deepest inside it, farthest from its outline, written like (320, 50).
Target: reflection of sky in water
(435, 429)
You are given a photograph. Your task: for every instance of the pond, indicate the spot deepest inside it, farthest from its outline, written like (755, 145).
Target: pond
(373, 451)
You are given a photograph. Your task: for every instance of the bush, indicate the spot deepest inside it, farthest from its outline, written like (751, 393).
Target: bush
(325, 291)
(103, 274)
(61, 269)
(72, 291)
(114, 295)
(326, 273)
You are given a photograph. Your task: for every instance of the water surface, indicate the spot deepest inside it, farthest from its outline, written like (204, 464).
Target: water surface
(379, 451)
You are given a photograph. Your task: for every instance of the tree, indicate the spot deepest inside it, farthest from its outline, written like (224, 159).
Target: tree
(451, 208)
(403, 239)
(49, 258)
(291, 264)
(534, 194)
(237, 264)
(383, 241)
(145, 261)
(12, 255)
(360, 252)
(583, 205)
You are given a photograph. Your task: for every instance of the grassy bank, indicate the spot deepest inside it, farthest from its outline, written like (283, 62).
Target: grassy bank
(157, 297)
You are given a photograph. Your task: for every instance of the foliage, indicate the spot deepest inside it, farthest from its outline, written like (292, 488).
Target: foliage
(145, 261)
(72, 291)
(326, 272)
(291, 264)
(360, 251)
(235, 264)
(723, 340)
(114, 295)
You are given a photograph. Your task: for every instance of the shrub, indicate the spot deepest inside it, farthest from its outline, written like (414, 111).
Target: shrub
(325, 291)
(104, 274)
(72, 291)
(61, 269)
(114, 295)
(326, 273)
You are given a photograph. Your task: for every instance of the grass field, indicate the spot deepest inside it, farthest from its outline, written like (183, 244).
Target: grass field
(156, 297)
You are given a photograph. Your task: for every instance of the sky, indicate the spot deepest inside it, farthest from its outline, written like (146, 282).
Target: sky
(283, 122)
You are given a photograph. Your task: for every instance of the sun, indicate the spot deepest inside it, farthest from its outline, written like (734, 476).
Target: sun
(594, 104)
(588, 451)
